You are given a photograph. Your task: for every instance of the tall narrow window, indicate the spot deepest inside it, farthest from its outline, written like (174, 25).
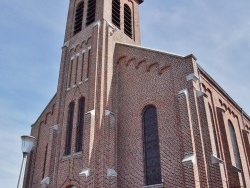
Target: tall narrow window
(77, 59)
(78, 18)
(91, 12)
(116, 13)
(83, 56)
(152, 162)
(214, 132)
(45, 160)
(80, 125)
(127, 21)
(70, 72)
(69, 128)
(234, 145)
(88, 63)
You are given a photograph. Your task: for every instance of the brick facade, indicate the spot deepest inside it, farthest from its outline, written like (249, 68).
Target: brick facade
(118, 78)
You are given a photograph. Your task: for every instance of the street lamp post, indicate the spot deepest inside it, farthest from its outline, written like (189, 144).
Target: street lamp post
(27, 145)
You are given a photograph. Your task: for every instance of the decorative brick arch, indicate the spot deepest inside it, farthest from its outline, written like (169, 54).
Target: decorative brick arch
(70, 183)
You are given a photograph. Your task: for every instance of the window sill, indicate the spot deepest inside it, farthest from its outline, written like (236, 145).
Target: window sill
(74, 155)
(235, 168)
(154, 186)
(77, 155)
(65, 157)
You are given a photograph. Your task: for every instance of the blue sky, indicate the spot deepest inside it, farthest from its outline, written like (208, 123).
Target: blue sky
(32, 32)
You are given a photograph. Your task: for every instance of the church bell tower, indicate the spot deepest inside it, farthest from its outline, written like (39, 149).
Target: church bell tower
(86, 112)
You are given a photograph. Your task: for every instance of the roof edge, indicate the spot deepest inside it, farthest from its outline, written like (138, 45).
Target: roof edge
(44, 110)
(223, 91)
(155, 50)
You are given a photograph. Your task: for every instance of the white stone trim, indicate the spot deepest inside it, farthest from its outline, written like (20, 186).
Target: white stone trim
(111, 172)
(92, 112)
(108, 112)
(184, 91)
(45, 181)
(97, 23)
(236, 169)
(201, 94)
(154, 186)
(66, 44)
(54, 127)
(85, 172)
(193, 77)
(215, 159)
(189, 157)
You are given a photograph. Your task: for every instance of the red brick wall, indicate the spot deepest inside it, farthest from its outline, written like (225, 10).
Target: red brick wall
(122, 80)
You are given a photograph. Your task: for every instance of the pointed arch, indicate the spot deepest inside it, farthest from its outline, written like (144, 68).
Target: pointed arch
(152, 162)
(78, 17)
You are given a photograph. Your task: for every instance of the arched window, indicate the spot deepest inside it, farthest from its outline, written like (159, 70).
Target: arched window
(116, 13)
(127, 21)
(80, 124)
(152, 162)
(78, 18)
(69, 128)
(91, 12)
(214, 131)
(234, 145)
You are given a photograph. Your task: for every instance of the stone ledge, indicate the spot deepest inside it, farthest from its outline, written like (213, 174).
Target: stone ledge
(154, 186)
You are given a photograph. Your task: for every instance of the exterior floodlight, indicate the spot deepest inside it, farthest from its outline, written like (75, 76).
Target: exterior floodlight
(27, 145)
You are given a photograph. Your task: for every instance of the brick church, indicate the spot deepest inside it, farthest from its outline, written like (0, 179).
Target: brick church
(127, 116)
